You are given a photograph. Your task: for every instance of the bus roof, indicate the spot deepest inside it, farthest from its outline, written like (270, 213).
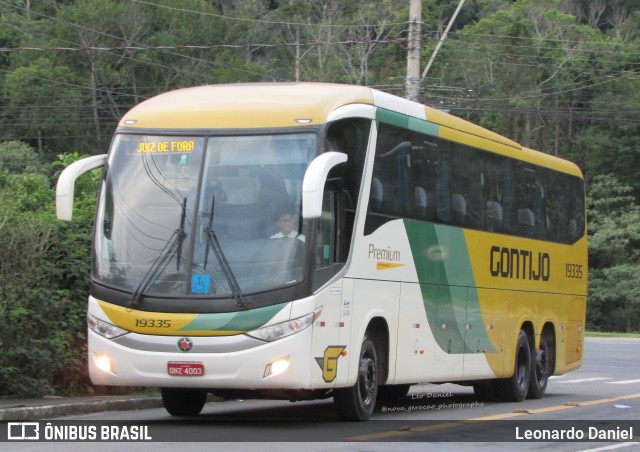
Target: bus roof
(250, 105)
(268, 105)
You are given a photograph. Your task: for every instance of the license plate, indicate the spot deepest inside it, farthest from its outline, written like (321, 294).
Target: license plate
(185, 369)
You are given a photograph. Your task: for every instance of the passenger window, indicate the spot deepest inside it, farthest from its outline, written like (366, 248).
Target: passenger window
(327, 241)
(555, 207)
(349, 136)
(444, 213)
(576, 209)
(424, 177)
(525, 197)
(466, 187)
(564, 207)
(391, 192)
(493, 193)
(424, 157)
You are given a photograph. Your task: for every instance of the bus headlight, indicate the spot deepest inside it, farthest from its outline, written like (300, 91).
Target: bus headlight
(276, 368)
(104, 363)
(279, 330)
(103, 328)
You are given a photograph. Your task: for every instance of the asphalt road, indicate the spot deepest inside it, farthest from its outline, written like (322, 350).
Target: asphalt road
(602, 397)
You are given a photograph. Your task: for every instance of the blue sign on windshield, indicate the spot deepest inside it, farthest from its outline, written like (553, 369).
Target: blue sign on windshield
(200, 283)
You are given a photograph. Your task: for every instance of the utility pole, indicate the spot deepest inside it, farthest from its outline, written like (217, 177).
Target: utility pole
(412, 82)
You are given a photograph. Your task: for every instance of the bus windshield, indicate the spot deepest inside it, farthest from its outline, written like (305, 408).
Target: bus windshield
(202, 216)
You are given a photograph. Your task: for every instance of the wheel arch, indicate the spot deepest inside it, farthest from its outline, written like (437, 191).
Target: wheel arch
(528, 328)
(378, 331)
(549, 332)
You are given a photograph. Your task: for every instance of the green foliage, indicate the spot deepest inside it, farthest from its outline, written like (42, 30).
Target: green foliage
(615, 298)
(44, 275)
(36, 80)
(614, 256)
(19, 157)
(612, 146)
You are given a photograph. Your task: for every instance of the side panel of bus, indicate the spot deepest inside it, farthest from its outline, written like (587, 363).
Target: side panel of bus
(459, 296)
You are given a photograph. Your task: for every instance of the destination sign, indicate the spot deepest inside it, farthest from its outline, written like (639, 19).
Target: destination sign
(166, 146)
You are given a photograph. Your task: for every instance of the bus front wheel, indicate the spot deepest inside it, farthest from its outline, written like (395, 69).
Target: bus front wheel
(183, 402)
(515, 388)
(358, 402)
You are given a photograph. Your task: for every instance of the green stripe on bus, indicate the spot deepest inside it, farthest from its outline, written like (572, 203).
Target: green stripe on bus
(390, 117)
(234, 321)
(407, 122)
(418, 125)
(448, 289)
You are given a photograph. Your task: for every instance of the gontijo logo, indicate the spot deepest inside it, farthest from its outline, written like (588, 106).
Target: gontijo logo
(329, 362)
(519, 264)
(185, 344)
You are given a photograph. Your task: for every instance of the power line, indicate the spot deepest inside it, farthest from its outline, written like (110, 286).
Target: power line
(58, 82)
(263, 21)
(455, 46)
(196, 46)
(122, 39)
(474, 36)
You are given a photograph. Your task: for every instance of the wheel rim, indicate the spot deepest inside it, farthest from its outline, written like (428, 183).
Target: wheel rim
(542, 365)
(367, 378)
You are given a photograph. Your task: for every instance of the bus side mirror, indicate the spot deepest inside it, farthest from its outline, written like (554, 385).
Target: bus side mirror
(67, 180)
(314, 180)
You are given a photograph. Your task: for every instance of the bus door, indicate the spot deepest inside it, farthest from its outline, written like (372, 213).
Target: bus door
(333, 328)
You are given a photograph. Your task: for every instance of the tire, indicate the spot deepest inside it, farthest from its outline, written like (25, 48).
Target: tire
(358, 402)
(515, 388)
(183, 402)
(393, 392)
(541, 369)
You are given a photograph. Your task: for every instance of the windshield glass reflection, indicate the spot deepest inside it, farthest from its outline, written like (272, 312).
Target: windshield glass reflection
(157, 227)
(252, 188)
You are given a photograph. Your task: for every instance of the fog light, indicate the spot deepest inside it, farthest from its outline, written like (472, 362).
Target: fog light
(276, 367)
(103, 363)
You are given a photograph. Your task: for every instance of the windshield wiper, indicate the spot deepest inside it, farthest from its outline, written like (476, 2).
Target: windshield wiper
(173, 246)
(212, 242)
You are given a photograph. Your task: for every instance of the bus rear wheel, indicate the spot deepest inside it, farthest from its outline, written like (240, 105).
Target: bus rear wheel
(541, 369)
(358, 402)
(183, 402)
(515, 388)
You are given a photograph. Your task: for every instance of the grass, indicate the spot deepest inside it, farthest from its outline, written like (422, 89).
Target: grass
(601, 334)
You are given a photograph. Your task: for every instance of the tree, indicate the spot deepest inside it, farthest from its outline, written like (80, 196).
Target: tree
(18, 157)
(614, 256)
(28, 86)
(377, 25)
(527, 70)
(44, 276)
(612, 144)
(104, 24)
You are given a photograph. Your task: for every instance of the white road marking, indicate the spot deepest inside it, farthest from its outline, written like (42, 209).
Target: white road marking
(584, 380)
(624, 382)
(612, 447)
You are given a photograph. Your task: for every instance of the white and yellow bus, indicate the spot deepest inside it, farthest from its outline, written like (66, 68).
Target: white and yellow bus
(302, 241)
